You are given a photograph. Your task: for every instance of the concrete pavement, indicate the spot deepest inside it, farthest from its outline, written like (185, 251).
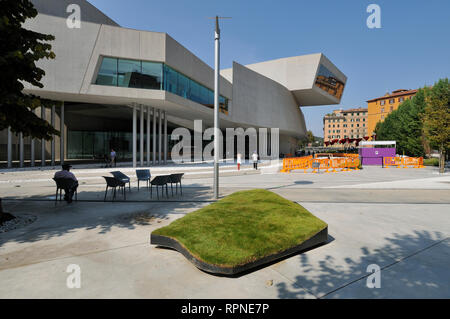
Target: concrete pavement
(404, 230)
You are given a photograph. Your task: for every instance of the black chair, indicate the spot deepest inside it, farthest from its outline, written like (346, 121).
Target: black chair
(162, 181)
(64, 184)
(176, 179)
(143, 175)
(112, 182)
(122, 177)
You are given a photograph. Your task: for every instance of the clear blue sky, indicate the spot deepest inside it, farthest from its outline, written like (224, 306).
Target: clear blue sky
(412, 49)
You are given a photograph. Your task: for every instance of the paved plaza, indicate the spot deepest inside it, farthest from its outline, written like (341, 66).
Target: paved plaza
(397, 219)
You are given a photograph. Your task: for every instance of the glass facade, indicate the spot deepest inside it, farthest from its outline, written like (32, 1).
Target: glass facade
(328, 82)
(95, 145)
(156, 76)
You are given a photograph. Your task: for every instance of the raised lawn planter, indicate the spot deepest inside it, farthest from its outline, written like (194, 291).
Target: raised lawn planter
(242, 231)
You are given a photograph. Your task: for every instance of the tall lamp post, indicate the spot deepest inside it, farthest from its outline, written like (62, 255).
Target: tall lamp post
(216, 106)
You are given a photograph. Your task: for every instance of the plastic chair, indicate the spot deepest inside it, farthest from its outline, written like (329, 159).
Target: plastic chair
(162, 181)
(122, 177)
(112, 182)
(63, 184)
(143, 175)
(176, 179)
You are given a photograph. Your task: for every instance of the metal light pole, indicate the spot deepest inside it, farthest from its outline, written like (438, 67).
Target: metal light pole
(216, 109)
(216, 106)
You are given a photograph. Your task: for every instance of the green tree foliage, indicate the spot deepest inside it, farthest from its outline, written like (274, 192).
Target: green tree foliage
(20, 49)
(437, 118)
(405, 126)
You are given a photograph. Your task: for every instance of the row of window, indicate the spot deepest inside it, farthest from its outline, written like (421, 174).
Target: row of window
(345, 120)
(392, 101)
(339, 131)
(345, 125)
(345, 136)
(155, 76)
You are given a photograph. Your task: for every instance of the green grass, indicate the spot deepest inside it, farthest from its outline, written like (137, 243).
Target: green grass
(243, 227)
(431, 161)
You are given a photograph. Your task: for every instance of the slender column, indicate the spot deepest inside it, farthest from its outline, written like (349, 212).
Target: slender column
(141, 137)
(32, 151)
(42, 140)
(159, 136)
(134, 136)
(52, 121)
(148, 135)
(165, 137)
(9, 147)
(20, 149)
(154, 136)
(61, 140)
(216, 108)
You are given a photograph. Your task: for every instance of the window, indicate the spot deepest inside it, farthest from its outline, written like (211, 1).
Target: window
(391, 108)
(329, 83)
(107, 75)
(364, 120)
(382, 110)
(391, 101)
(382, 102)
(156, 76)
(151, 75)
(129, 73)
(401, 99)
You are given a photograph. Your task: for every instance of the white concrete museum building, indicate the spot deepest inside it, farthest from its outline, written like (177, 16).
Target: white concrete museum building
(128, 89)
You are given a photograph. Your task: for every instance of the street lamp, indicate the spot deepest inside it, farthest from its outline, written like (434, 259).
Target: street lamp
(216, 105)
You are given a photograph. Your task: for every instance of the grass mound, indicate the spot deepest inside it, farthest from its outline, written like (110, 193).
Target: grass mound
(243, 227)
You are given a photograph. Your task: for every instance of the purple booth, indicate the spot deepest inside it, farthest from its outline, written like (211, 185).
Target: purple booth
(374, 155)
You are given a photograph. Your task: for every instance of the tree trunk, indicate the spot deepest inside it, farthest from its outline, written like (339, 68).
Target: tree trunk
(441, 160)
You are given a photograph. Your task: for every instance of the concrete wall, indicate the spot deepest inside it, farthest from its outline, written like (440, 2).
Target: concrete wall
(261, 102)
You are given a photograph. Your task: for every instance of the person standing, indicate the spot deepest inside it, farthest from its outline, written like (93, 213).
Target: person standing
(113, 158)
(239, 161)
(66, 174)
(255, 160)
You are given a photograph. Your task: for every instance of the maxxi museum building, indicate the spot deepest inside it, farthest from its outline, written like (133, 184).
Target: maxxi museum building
(128, 89)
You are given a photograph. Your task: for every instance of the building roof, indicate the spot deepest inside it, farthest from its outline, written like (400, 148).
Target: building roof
(394, 94)
(360, 109)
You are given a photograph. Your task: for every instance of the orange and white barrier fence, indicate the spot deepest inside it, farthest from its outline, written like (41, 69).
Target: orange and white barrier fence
(404, 162)
(345, 163)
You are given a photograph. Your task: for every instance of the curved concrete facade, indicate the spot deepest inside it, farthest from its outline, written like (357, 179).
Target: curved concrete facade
(267, 94)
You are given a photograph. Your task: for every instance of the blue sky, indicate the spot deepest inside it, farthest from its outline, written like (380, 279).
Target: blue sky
(412, 49)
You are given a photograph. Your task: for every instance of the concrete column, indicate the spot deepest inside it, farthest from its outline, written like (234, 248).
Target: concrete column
(148, 135)
(141, 136)
(9, 147)
(154, 136)
(43, 140)
(52, 122)
(20, 149)
(159, 136)
(32, 151)
(165, 137)
(61, 141)
(134, 136)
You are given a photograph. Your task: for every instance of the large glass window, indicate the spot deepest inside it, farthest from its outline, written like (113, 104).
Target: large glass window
(107, 75)
(170, 79)
(328, 82)
(183, 86)
(151, 75)
(129, 73)
(155, 76)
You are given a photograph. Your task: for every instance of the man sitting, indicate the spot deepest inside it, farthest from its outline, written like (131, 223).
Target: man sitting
(65, 173)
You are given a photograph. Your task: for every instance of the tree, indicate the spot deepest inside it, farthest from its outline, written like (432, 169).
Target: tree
(310, 137)
(19, 51)
(437, 119)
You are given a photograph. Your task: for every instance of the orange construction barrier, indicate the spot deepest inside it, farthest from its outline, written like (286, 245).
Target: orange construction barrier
(344, 163)
(290, 164)
(404, 162)
(392, 161)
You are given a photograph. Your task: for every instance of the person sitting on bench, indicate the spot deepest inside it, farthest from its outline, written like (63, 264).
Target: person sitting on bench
(65, 173)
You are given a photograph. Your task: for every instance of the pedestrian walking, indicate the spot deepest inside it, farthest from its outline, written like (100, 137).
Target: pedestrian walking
(239, 161)
(113, 158)
(255, 160)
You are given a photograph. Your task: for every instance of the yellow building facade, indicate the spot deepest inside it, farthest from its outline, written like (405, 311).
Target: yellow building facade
(380, 107)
